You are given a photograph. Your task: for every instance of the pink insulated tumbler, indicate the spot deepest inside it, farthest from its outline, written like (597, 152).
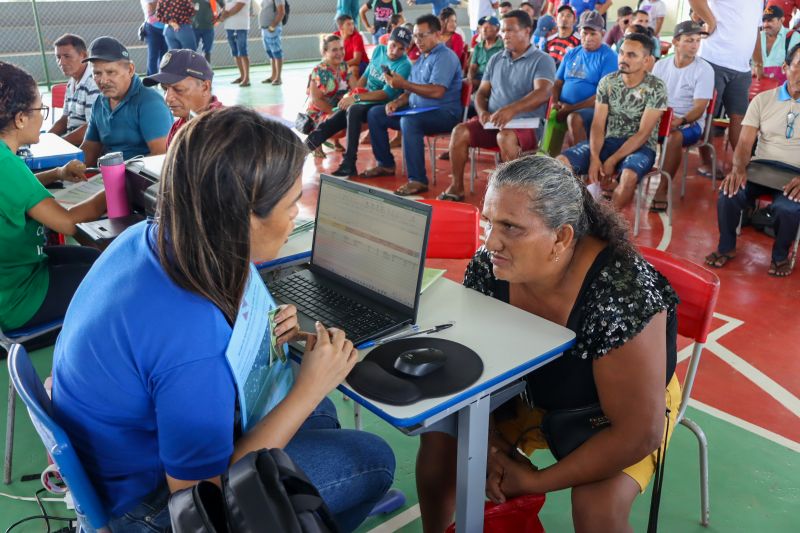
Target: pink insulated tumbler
(112, 168)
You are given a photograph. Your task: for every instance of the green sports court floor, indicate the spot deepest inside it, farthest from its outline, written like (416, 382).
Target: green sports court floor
(754, 479)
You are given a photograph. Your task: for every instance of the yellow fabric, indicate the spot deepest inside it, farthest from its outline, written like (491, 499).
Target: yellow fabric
(517, 430)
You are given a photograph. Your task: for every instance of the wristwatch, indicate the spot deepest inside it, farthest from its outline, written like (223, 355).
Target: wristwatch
(684, 121)
(357, 98)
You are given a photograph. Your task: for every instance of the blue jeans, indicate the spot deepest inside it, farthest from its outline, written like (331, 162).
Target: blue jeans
(156, 47)
(786, 211)
(183, 38)
(414, 128)
(272, 42)
(641, 161)
(206, 37)
(237, 39)
(351, 469)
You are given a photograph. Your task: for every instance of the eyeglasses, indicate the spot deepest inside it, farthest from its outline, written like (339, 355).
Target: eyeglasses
(420, 36)
(45, 110)
(791, 116)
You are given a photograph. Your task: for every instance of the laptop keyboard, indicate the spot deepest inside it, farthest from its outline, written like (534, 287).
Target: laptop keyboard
(331, 307)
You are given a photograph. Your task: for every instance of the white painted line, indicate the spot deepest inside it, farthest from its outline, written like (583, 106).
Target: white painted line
(666, 235)
(395, 523)
(752, 428)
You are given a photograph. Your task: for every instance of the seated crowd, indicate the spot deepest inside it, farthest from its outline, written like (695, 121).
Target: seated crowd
(229, 195)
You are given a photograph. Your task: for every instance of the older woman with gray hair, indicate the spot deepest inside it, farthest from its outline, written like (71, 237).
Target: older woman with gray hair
(554, 251)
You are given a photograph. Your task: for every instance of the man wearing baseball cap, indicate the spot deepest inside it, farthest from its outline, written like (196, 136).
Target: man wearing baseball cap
(579, 74)
(387, 60)
(545, 27)
(489, 45)
(186, 78)
(776, 40)
(690, 86)
(127, 117)
(565, 39)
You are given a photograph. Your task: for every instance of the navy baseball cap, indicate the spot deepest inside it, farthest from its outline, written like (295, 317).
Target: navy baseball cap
(490, 19)
(179, 64)
(402, 35)
(107, 49)
(772, 12)
(545, 25)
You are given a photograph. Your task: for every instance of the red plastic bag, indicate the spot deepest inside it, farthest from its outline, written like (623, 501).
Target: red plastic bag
(520, 515)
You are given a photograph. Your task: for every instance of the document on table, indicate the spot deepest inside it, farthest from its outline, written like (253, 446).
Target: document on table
(429, 277)
(75, 193)
(516, 124)
(263, 378)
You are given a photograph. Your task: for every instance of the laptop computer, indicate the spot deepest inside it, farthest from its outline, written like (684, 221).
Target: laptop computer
(367, 261)
(770, 174)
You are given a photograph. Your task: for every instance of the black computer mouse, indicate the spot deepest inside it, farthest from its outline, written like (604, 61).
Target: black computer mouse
(420, 361)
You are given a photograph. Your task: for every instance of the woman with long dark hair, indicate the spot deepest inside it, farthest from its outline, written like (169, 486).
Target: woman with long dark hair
(36, 281)
(141, 380)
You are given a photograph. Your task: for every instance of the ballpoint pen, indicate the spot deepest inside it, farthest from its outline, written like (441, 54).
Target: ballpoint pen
(405, 334)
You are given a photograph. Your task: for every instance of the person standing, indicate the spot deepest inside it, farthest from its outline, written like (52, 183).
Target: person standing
(774, 44)
(477, 9)
(152, 32)
(558, 44)
(203, 24)
(271, 21)
(177, 18)
(384, 9)
(81, 89)
(236, 17)
(733, 40)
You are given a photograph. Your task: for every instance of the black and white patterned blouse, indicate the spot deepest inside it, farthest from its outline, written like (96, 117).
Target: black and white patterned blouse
(619, 295)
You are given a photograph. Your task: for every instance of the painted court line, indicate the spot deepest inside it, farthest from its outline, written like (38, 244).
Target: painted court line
(752, 428)
(395, 523)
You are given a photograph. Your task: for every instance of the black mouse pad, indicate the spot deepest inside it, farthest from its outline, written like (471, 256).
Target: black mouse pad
(376, 378)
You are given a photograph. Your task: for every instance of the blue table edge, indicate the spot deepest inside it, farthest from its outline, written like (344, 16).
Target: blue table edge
(463, 395)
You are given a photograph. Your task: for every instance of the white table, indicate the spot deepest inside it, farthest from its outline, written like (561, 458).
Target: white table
(511, 342)
(52, 151)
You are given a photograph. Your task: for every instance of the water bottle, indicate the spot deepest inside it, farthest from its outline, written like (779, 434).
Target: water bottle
(112, 168)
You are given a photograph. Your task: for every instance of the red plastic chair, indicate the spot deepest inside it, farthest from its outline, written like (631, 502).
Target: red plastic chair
(641, 189)
(764, 84)
(697, 288)
(455, 230)
(704, 142)
(466, 95)
(58, 94)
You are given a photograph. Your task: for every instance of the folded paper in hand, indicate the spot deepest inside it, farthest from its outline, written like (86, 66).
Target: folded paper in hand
(516, 124)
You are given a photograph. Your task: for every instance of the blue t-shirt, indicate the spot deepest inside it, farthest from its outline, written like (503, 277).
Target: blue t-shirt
(582, 5)
(440, 67)
(141, 383)
(140, 117)
(375, 80)
(581, 71)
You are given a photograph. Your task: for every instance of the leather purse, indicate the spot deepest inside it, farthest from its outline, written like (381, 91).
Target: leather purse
(303, 123)
(566, 429)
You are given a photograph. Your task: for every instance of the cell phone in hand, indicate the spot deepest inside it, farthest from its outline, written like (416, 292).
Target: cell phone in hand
(386, 70)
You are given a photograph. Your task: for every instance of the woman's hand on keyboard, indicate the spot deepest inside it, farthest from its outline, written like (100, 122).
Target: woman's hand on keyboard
(328, 359)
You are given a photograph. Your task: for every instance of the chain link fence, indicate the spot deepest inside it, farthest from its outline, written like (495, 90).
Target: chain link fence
(29, 27)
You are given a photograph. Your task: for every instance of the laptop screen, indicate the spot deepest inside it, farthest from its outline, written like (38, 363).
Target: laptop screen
(373, 239)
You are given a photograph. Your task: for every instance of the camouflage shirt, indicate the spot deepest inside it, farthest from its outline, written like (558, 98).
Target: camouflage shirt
(627, 105)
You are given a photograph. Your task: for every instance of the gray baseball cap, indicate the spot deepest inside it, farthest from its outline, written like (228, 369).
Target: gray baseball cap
(592, 20)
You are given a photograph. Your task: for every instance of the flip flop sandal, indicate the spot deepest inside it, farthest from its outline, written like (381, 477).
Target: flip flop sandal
(277, 82)
(659, 206)
(780, 269)
(707, 173)
(406, 190)
(450, 197)
(718, 260)
(377, 172)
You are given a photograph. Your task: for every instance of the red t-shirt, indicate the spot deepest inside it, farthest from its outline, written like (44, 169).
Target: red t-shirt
(456, 44)
(353, 44)
(788, 8)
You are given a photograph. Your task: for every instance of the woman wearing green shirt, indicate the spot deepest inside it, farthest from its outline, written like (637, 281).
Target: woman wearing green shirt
(36, 281)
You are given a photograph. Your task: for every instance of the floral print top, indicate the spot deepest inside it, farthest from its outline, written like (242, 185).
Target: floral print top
(180, 11)
(619, 296)
(333, 84)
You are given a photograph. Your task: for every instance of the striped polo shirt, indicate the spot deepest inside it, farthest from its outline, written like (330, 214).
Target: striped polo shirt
(79, 100)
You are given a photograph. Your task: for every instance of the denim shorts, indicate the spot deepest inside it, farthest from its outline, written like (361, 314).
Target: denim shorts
(237, 39)
(640, 162)
(272, 42)
(691, 134)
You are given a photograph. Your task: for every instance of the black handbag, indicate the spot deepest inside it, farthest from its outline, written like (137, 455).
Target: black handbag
(566, 429)
(304, 124)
